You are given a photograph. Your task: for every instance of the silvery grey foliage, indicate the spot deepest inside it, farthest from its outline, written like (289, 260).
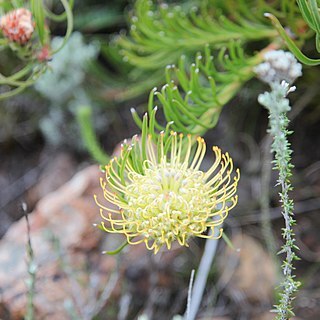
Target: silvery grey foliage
(279, 65)
(67, 69)
(59, 122)
(283, 68)
(63, 86)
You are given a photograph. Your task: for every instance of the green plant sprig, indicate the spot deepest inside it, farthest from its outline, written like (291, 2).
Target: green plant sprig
(193, 99)
(158, 37)
(115, 84)
(278, 106)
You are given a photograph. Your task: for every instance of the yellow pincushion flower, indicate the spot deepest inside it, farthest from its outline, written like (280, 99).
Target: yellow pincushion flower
(161, 195)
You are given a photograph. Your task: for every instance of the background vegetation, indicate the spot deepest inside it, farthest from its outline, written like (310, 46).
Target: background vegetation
(194, 60)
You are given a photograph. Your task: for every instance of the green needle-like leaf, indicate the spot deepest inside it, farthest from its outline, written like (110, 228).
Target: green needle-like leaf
(290, 43)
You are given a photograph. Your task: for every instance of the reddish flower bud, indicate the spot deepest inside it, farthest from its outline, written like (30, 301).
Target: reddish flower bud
(17, 25)
(44, 54)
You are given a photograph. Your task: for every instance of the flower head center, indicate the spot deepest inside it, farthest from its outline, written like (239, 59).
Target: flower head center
(168, 201)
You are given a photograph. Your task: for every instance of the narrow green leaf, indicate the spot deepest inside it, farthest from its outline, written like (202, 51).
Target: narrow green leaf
(38, 12)
(228, 241)
(69, 15)
(291, 45)
(116, 251)
(89, 138)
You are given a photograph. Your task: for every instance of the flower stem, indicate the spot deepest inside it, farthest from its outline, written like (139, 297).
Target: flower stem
(32, 269)
(201, 278)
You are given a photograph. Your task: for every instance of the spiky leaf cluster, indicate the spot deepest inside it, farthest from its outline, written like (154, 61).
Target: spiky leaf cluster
(193, 97)
(159, 35)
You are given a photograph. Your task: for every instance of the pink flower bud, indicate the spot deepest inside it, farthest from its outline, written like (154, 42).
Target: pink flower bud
(17, 25)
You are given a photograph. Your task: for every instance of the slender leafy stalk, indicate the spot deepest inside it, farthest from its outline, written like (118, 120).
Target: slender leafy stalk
(278, 106)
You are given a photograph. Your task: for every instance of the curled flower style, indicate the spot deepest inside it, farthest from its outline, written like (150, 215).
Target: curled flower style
(160, 195)
(17, 25)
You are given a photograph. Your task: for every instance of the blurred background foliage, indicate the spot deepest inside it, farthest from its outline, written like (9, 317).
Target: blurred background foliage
(193, 59)
(120, 50)
(189, 58)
